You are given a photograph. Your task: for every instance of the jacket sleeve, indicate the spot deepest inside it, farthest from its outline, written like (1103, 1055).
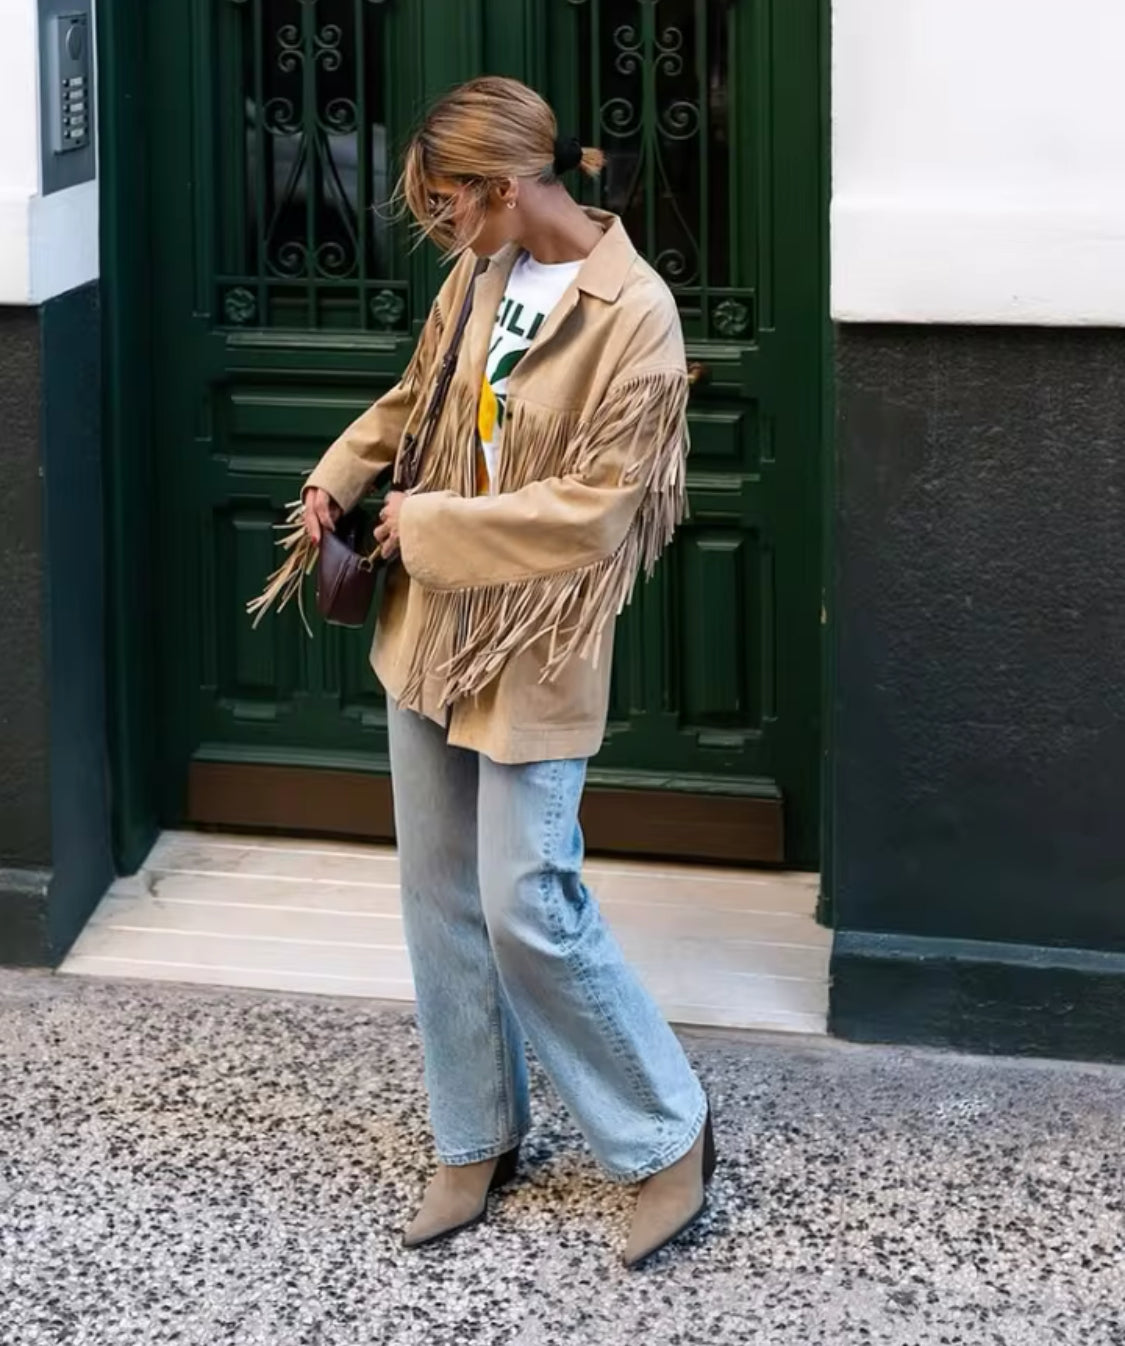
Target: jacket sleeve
(626, 460)
(367, 446)
(560, 524)
(370, 443)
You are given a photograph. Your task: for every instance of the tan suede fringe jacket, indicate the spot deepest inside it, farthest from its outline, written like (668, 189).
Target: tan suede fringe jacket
(499, 622)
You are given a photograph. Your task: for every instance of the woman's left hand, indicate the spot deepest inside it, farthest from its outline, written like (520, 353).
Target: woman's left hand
(386, 534)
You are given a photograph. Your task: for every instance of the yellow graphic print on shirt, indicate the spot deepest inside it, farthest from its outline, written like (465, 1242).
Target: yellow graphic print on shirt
(503, 356)
(533, 290)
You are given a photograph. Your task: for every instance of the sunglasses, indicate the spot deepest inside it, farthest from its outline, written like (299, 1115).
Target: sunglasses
(439, 203)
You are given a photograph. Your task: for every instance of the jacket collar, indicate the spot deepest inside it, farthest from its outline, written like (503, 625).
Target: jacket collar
(603, 272)
(601, 275)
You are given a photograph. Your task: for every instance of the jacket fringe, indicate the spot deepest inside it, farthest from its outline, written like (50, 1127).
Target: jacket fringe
(470, 634)
(450, 462)
(416, 376)
(288, 580)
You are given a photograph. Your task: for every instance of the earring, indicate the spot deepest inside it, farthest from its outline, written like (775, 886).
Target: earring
(511, 205)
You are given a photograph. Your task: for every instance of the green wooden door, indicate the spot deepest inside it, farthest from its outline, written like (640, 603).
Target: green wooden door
(286, 299)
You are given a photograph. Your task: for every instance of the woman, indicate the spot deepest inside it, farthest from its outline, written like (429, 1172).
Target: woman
(556, 470)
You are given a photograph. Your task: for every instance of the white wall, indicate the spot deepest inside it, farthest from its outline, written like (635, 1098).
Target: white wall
(48, 244)
(979, 161)
(19, 145)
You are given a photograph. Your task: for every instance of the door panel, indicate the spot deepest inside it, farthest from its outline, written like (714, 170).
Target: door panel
(288, 297)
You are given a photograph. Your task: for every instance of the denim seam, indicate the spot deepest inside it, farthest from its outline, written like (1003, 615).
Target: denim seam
(550, 870)
(515, 1116)
(503, 1115)
(626, 1058)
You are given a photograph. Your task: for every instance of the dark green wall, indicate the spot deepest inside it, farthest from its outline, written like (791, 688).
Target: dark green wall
(75, 597)
(978, 780)
(124, 118)
(54, 792)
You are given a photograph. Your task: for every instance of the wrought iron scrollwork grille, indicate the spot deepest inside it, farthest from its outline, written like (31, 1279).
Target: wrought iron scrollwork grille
(660, 104)
(303, 143)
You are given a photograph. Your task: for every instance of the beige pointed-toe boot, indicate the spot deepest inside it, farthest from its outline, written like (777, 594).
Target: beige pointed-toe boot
(672, 1200)
(457, 1198)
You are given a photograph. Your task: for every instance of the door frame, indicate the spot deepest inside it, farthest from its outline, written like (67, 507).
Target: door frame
(132, 528)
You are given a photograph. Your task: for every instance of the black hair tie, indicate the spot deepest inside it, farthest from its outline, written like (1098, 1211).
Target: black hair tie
(568, 155)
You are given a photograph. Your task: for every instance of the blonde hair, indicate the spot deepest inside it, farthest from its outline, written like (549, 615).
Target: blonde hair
(478, 135)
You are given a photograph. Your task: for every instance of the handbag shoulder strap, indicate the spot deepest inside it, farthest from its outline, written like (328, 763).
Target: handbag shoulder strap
(414, 447)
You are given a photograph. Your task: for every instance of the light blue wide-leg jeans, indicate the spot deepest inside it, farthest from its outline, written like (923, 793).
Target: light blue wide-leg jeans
(507, 945)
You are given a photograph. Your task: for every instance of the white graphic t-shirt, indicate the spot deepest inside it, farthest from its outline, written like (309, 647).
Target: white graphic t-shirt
(532, 291)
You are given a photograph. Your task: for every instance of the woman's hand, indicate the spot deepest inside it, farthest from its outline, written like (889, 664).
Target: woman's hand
(386, 534)
(321, 513)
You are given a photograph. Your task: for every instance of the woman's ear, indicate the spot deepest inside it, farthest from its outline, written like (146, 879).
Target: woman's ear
(506, 192)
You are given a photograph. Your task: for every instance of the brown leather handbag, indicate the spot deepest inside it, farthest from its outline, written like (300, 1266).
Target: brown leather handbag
(348, 559)
(345, 570)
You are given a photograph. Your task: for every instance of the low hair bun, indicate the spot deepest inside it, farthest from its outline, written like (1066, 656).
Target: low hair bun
(568, 154)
